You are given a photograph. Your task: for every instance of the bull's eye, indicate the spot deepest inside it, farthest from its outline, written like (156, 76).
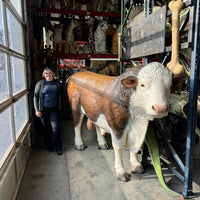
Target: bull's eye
(142, 85)
(131, 81)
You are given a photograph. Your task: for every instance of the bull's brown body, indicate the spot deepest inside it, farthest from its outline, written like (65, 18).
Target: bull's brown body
(97, 99)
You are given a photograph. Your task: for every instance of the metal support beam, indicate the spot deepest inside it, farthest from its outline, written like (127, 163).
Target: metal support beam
(194, 77)
(122, 35)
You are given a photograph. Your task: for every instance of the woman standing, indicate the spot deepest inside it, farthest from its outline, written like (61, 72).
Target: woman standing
(47, 98)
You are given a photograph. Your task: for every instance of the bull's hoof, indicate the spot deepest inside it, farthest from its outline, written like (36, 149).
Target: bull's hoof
(137, 169)
(103, 147)
(125, 177)
(80, 147)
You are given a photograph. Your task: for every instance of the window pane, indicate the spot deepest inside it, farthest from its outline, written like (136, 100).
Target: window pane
(5, 133)
(4, 93)
(17, 5)
(20, 113)
(2, 40)
(14, 33)
(18, 74)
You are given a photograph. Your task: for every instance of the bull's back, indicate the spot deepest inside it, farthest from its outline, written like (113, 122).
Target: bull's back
(88, 81)
(87, 78)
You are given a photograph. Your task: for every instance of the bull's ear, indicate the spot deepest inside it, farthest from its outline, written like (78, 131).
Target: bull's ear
(130, 82)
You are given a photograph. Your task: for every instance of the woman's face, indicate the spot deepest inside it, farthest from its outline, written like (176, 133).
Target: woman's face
(48, 75)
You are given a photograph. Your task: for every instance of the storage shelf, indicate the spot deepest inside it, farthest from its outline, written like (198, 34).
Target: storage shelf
(84, 56)
(71, 68)
(79, 12)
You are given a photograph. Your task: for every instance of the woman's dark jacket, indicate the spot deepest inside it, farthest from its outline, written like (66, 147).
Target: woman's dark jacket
(38, 96)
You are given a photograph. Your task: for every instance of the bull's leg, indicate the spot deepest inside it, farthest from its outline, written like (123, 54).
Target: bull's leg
(79, 145)
(134, 141)
(136, 166)
(118, 146)
(101, 140)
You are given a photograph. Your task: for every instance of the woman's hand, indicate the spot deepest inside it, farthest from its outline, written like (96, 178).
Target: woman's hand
(38, 114)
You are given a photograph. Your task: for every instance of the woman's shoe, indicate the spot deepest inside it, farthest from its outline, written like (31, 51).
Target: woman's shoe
(59, 153)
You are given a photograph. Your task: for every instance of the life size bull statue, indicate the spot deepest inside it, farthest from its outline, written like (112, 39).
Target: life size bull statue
(121, 106)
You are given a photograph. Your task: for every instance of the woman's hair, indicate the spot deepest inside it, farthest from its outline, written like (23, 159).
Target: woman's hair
(49, 69)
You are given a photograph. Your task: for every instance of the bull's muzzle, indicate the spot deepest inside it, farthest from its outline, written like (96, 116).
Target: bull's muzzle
(160, 109)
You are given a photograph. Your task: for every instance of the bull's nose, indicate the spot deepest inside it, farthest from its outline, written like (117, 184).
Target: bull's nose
(160, 109)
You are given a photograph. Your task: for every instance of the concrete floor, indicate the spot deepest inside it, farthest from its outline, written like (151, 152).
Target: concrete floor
(89, 174)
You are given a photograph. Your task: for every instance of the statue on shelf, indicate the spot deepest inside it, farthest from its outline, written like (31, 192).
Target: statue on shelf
(100, 37)
(90, 44)
(47, 37)
(114, 48)
(69, 36)
(57, 37)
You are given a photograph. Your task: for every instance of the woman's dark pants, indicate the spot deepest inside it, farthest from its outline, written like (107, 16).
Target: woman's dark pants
(50, 122)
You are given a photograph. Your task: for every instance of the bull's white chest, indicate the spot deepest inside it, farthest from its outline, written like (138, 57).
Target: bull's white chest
(103, 124)
(136, 131)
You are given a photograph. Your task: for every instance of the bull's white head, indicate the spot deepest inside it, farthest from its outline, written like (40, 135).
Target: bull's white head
(152, 88)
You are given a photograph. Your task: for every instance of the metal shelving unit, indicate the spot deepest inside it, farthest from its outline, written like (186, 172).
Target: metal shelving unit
(83, 56)
(79, 12)
(70, 13)
(194, 44)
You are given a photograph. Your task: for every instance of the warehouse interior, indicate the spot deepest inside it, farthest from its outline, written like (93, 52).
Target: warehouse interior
(107, 38)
